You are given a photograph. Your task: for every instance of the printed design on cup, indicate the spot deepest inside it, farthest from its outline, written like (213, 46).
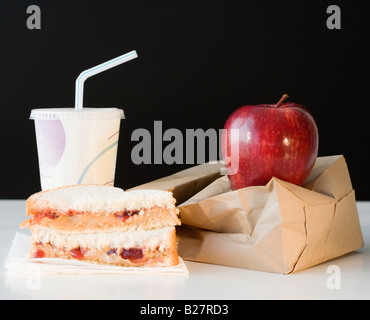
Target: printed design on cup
(51, 142)
(88, 167)
(77, 146)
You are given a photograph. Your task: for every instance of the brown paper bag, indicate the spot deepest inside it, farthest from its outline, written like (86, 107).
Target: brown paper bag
(280, 227)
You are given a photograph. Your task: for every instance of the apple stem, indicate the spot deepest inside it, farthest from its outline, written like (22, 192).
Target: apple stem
(285, 96)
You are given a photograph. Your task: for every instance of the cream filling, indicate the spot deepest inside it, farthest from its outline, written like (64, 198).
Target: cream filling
(155, 238)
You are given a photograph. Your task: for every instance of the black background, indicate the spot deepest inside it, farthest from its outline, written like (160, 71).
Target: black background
(198, 61)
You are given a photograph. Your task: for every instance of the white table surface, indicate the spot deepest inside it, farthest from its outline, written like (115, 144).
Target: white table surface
(205, 281)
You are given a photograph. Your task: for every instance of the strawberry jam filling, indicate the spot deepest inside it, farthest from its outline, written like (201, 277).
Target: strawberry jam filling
(38, 254)
(113, 251)
(117, 256)
(123, 216)
(46, 214)
(78, 253)
(132, 254)
(52, 215)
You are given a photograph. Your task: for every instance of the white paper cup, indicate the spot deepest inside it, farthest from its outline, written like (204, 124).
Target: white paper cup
(77, 146)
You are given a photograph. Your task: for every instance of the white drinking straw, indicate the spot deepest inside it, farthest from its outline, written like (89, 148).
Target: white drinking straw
(98, 69)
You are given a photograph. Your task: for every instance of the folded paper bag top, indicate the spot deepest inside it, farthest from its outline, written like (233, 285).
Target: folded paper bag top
(280, 227)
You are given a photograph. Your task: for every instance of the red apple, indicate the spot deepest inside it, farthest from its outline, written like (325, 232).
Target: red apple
(275, 140)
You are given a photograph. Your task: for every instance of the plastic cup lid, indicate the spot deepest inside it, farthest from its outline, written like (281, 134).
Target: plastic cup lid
(72, 114)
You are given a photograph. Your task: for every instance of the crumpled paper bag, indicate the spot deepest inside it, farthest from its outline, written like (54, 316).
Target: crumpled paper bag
(279, 228)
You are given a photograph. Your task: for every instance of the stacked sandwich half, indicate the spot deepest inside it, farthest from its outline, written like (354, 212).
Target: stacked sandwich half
(104, 225)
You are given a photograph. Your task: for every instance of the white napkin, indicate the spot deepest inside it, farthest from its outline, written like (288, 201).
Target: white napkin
(17, 261)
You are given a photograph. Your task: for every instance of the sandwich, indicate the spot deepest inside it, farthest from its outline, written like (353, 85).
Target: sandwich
(104, 225)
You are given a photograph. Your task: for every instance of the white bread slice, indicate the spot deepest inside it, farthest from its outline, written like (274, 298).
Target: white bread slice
(95, 198)
(155, 238)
